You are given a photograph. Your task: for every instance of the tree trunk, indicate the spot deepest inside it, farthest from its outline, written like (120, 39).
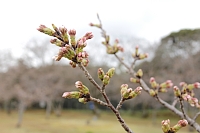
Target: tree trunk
(48, 108)
(21, 109)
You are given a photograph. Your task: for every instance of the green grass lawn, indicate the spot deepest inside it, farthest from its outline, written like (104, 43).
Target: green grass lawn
(78, 122)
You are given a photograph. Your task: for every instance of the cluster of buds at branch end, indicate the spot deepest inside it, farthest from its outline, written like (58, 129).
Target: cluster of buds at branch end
(129, 93)
(177, 91)
(168, 129)
(191, 100)
(165, 85)
(138, 55)
(83, 95)
(113, 49)
(105, 78)
(70, 48)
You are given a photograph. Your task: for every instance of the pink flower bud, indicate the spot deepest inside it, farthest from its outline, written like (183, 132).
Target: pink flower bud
(165, 126)
(182, 84)
(100, 73)
(78, 84)
(88, 35)
(177, 91)
(179, 125)
(72, 94)
(197, 85)
(152, 79)
(72, 32)
(139, 73)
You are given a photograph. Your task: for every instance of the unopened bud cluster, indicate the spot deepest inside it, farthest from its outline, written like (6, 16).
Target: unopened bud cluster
(71, 48)
(187, 93)
(105, 77)
(168, 129)
(139, 56)
(111, 49)
(129, 93)
(159, 87)
(138, 75)
(83, 95)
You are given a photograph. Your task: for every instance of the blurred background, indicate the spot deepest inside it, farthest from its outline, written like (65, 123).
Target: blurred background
(31, 83)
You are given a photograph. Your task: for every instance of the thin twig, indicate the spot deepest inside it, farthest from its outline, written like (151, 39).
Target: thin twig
(182, 107)
(120, 103)
(108, 103)
(175, 102)
(87, 74)
(195, 117)
(98, 101)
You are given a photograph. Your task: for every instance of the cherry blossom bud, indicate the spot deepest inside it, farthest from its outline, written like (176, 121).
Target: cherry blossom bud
(135, 92)
(126, 93)
(143, 56)
(46, 30)
(65, 36)
(54, 27)
(197, 85)
(111, 72)
(82, 100)
(72, 34)
(100, 73)
(134, 80)
(167, 84)
(95, 25)
(162, 90)
(182, 84)
(85, 62)
(124, 88)
(72, 94)
(88, 35)
(73, 64)
(153, 83)
(78, 84)
(179, 125)
(152, 92)
(57, 42)
(165, 126)
(139, 73)
(177, 91)
(106, 79)
(82, 88)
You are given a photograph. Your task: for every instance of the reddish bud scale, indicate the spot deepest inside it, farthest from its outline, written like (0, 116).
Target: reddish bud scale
(100, 73)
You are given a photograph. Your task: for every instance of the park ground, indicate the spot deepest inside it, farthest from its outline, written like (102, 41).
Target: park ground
(80, 121)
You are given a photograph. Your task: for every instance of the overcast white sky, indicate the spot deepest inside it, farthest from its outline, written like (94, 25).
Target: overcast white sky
(148, 19)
